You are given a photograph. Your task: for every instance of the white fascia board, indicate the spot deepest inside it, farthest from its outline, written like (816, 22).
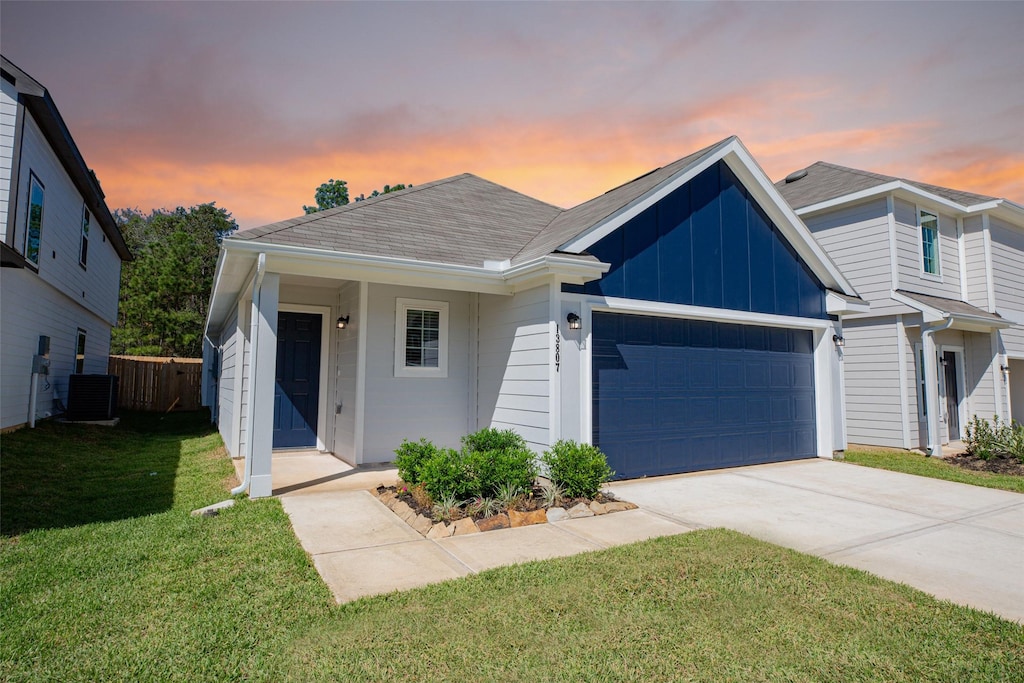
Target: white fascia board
(218, 275)
(390, 270)
(594, 234)
(657, 308)
(910, 192)
(837, 304)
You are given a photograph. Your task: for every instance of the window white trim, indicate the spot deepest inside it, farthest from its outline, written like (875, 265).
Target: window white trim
(80, 341)
(402, 307)
(937, 275)
(83, 243)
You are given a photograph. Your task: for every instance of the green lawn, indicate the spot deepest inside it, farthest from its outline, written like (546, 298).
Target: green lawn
(937, 468)
(105, 576)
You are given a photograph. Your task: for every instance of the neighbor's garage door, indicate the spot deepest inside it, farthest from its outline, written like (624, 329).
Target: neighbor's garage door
(684, 395)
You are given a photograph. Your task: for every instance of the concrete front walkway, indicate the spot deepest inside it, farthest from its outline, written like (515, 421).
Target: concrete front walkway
(958, 542)
(362, 548)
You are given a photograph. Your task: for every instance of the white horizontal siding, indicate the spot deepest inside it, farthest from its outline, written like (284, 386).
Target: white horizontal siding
(31, 308)
(400, 408)
(227, 401)
(343, 393)
(97, 285)
(857, 239)
(513, 386)
(908, 253)
(871, 367)
(1007, 266)
(974, 261)
(8, 120)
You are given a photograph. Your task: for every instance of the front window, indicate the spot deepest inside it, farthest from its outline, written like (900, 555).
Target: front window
(34, 219)
(421, 338)
(929, 223)
(80, 352)
(83, 251)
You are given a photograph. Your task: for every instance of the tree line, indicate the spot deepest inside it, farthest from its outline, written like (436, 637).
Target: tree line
(165, 290)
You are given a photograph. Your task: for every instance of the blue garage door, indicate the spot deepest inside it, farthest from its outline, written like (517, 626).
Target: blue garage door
(685, 395)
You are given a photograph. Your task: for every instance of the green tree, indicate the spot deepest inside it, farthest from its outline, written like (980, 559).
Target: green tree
(387, 189)
(166, 289)
(329, 195)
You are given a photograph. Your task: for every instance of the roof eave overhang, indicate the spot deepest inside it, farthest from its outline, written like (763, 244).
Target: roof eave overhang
(233, 266)
(840, 304)
(742, 163)
(914, 194)
(960, 321)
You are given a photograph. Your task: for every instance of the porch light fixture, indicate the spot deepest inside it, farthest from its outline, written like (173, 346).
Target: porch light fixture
(838, 341)
(574, 321)
(342, 322)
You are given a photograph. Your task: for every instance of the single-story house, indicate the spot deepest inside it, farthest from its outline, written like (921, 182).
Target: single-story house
(685, 320)
(943, 272)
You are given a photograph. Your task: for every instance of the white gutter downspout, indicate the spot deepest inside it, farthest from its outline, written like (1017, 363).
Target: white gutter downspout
(931, 384)
(254, 326)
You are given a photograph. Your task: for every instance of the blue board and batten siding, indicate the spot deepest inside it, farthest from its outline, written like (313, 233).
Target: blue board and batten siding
(707, 244)
(675, 395)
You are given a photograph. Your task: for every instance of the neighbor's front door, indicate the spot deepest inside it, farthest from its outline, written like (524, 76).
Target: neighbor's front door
(297, 389)
(952, 394)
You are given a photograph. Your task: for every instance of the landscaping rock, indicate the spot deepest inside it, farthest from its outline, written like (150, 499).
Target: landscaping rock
(598, 508)
(618, 506)
(422, 524)
(404, 511)
(494, 522)
(580, 510)
(464, 526)
(518, 519)
(557, 514)
(386, 497)
(440, 530)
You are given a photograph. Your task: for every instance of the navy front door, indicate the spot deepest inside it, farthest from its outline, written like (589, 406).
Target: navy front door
(676, 395)
(297, 390)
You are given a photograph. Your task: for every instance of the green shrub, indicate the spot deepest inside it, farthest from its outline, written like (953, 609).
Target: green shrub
(578, 468)
(410, 457)
(493, 440)
(980, 438)
(444, 474)
(490, 470)
(1010, 440)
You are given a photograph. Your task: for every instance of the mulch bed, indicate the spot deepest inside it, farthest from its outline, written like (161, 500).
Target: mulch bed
(525, 504)
(999, 464)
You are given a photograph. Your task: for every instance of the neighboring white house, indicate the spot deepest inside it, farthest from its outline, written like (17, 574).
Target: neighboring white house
(685, 320)
(62, 253)
(943, 271)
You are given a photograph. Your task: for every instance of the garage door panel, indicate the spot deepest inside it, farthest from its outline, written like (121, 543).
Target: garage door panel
(681, 395)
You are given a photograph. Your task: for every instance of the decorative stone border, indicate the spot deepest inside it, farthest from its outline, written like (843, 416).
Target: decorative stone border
(512, 519)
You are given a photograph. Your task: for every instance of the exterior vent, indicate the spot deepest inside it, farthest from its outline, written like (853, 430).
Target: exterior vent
(92, 397)
(796, 175)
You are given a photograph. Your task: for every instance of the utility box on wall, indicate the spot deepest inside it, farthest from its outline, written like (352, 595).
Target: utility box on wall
(92, 397)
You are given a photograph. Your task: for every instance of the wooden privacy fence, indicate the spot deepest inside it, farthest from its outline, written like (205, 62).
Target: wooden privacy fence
(157, 384)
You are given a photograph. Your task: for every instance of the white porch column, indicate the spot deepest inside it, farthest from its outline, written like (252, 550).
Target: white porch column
(263, 366)
(931, 390)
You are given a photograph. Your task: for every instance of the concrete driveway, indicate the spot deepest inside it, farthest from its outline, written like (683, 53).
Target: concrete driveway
(958, 542)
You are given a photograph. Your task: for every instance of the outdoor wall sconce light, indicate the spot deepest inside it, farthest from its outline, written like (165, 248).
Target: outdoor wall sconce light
(342, 322)
(838, 341)
(574, 321)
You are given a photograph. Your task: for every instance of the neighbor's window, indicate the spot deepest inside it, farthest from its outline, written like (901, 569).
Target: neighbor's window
(34, 220)
(421, 338)
(80, 352)
(83, 251)
(929, 223)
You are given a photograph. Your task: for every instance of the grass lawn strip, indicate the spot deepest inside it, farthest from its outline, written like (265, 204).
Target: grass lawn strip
(936, 468)
(161, 595)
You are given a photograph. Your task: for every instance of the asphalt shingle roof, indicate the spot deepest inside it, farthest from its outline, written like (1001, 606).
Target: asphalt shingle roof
(462, 220)
(952, 306)
(825, 181)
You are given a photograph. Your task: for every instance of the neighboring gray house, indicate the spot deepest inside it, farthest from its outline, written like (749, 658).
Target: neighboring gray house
(685, 320)
(62, 253)
(943, 271)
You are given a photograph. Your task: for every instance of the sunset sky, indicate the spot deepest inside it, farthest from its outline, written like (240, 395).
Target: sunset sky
(252, 105)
